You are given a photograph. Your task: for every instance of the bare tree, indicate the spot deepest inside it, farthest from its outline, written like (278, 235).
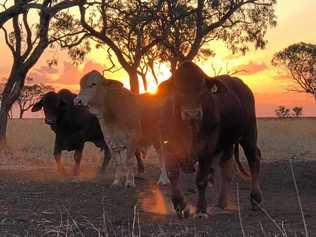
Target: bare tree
(237, 23)
(30, 95)
(300, 61)
(27, 43)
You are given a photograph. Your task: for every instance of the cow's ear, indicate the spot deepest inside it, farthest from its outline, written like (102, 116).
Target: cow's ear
(216, 86)
(62, 103)
(37, 106)
(112, 83)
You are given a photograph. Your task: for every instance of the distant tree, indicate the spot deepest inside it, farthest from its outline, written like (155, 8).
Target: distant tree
(27, 42)
(300, 61)
(282, 112)
(237, 23)
(30, 95)
(297, 111)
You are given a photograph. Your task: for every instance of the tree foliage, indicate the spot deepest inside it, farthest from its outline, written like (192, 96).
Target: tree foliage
(282, 112)
(297, 111)
(237, 23)
(300, 61)
(285, 112)
(171, 31)
(128, 29)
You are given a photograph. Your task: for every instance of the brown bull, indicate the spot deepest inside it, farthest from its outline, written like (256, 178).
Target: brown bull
(202, 119)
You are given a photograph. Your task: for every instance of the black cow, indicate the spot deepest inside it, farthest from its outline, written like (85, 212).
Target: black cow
(203, 118)
(72, 125)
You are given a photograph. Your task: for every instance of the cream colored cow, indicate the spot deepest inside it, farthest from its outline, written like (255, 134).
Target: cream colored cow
(120, 116)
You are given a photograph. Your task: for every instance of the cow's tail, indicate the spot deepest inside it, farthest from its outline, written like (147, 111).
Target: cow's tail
(244, 173)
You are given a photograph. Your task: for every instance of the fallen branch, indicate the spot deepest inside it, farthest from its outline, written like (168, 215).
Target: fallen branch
(298, 198)
(239, 212)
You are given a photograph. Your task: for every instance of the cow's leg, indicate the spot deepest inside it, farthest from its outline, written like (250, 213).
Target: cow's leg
(253, 156)
(118, 169)
(77, 158)
(226, 169)
(106, 158)
(60, 167)
(58, 158)
(130, 167)
(163, 178)
(201, 183)
(177, 198)
(140, 163)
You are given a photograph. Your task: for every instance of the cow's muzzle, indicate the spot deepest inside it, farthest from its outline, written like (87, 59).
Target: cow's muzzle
(77, 101)
(192, 113)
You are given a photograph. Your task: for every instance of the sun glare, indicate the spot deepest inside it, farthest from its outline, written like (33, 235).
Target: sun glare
(162, 73)
(152, 88)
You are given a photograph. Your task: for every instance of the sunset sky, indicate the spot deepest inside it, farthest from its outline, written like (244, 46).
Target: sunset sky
(296, 23)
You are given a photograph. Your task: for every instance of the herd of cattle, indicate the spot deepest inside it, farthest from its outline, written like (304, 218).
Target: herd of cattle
(193, 119)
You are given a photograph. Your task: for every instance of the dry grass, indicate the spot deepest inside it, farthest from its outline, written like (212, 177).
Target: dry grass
(280, 139)
(30, 142)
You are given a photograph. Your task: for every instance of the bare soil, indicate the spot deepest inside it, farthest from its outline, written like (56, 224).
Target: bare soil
(40, 201)
(37, 201)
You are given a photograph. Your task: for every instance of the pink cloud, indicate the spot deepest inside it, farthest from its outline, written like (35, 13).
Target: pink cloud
(67, 74)
(251, 68)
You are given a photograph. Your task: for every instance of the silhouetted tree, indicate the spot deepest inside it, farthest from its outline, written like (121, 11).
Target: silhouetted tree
(27, 46)
(2, 85)
(282, 112)
(128, 28)
(297, 111)
(300, 61)
(20, 6)
(238, 23)
(30, 95)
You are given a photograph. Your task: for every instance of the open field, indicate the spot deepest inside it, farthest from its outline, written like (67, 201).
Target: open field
(36, 201)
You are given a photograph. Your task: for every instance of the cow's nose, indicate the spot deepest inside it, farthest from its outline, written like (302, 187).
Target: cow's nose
(50, 121)
(77, 101)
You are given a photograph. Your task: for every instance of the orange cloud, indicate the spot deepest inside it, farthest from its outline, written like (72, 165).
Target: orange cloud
(251, 68)
(66, 75)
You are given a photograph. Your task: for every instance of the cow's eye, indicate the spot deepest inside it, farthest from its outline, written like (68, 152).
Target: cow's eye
(92, 84)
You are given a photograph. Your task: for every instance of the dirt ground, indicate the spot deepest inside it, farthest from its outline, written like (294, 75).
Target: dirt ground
(36, 201)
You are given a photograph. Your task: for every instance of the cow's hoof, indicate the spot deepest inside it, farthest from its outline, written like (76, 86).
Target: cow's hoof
(101, 172)
(141, 169)
(76, 173)
(255, 199)
(130, 184)
(221, 204)
(61, 170)
(116, 183)
(163, 180)
(201, 215)
(183, 213)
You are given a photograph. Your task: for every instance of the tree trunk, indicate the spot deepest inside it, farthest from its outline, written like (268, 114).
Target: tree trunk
(11, 93)
(173, 64)
(3, 125)
(133, 81)
(21, 114)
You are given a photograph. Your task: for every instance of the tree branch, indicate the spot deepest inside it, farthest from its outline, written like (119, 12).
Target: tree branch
(7, 41)
(28, 36)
